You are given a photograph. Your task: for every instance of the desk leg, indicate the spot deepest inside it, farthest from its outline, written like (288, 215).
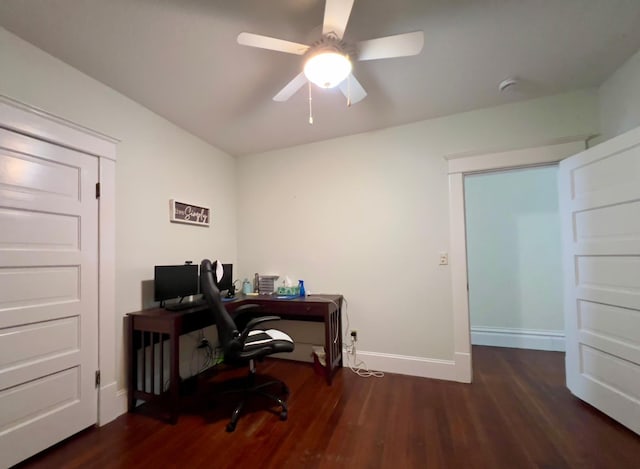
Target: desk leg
(174, 375)
(340, 348)
(133, 363)
(328, 347)
(333, 343)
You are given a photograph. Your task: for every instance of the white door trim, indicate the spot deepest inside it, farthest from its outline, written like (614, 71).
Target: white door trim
(34, 122)
(458, 166)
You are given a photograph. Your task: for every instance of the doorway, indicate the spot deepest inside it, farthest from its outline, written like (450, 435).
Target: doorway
(460, 166)
(514, 258)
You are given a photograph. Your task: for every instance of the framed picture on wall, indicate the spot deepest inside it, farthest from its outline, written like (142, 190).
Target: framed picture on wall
(182, 212)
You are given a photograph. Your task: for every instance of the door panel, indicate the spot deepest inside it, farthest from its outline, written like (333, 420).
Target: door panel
(600, 209)
(48, 294)
(33, 177)
(55, 337)
(61, 233)
(29, 401)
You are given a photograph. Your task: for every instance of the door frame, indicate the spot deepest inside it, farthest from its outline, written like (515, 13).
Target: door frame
(28, 120)
(460, 165)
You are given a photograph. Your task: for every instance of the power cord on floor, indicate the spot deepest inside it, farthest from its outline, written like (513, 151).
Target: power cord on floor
(359, 367)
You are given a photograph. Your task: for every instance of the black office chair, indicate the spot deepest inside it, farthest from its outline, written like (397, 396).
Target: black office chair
(244, 347)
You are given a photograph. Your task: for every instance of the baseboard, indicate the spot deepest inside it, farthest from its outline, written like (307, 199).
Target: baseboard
(518, 338)
(113, 403)
(413, 366)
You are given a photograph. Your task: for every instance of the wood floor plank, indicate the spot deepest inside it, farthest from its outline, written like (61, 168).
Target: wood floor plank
(517, 414)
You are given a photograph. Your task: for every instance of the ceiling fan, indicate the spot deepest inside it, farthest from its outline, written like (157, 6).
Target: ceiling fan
(328, 61)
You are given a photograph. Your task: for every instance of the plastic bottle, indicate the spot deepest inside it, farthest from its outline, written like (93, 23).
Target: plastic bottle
(301, 286)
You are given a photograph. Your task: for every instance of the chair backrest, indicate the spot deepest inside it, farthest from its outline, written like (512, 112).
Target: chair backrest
(227, 329)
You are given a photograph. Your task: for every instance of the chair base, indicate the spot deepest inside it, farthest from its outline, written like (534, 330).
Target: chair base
(252, 389)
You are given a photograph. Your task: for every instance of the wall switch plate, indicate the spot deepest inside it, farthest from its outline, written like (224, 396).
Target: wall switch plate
(444, 258)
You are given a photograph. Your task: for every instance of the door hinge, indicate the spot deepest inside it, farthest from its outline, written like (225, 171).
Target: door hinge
(97, 190)
(97, 378)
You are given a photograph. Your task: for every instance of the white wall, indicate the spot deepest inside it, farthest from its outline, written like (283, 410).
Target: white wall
(367, 215)
(514, 257)
(156, 161)
(619, 99)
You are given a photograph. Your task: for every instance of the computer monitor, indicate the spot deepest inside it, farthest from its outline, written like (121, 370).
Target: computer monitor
(175, 281)
(226, 281)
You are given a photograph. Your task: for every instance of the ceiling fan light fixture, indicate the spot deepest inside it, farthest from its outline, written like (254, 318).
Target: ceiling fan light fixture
(327, 68)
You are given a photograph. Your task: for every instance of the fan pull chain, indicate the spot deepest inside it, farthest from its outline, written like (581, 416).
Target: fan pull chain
(310, 107)
(349, 91)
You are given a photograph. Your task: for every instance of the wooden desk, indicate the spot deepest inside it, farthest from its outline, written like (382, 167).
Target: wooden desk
(152, 327)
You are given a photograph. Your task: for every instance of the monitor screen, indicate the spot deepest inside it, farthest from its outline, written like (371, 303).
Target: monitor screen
(227, 278)
(175, 281)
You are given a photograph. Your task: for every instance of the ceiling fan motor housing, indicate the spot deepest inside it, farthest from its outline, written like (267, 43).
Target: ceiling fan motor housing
(331, 43)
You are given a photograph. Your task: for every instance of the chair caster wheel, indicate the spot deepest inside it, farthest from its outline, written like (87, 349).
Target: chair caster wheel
(231, 427)
(283, 415)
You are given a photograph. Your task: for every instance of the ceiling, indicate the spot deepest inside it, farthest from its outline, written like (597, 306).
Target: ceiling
(180, 58)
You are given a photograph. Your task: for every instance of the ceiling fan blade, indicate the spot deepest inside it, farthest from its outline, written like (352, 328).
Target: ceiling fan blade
(291, 88)
(352, 89)
(336, 16)
(400, 45)
(266, 42)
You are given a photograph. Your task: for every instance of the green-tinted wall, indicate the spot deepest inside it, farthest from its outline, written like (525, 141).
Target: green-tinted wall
(514, 249)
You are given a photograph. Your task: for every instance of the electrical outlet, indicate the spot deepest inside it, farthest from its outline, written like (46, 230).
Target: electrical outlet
(354, 335)
(444, 258)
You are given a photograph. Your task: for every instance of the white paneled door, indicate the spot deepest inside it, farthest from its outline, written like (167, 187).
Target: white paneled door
(600, 208)
(48, 294)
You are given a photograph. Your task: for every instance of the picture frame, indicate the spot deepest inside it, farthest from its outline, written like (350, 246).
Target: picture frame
(191, 214)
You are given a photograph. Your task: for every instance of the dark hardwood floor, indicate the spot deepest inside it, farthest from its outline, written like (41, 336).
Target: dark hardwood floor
(516, 414)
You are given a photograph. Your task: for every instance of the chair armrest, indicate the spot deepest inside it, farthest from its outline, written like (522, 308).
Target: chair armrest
(253, 323)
